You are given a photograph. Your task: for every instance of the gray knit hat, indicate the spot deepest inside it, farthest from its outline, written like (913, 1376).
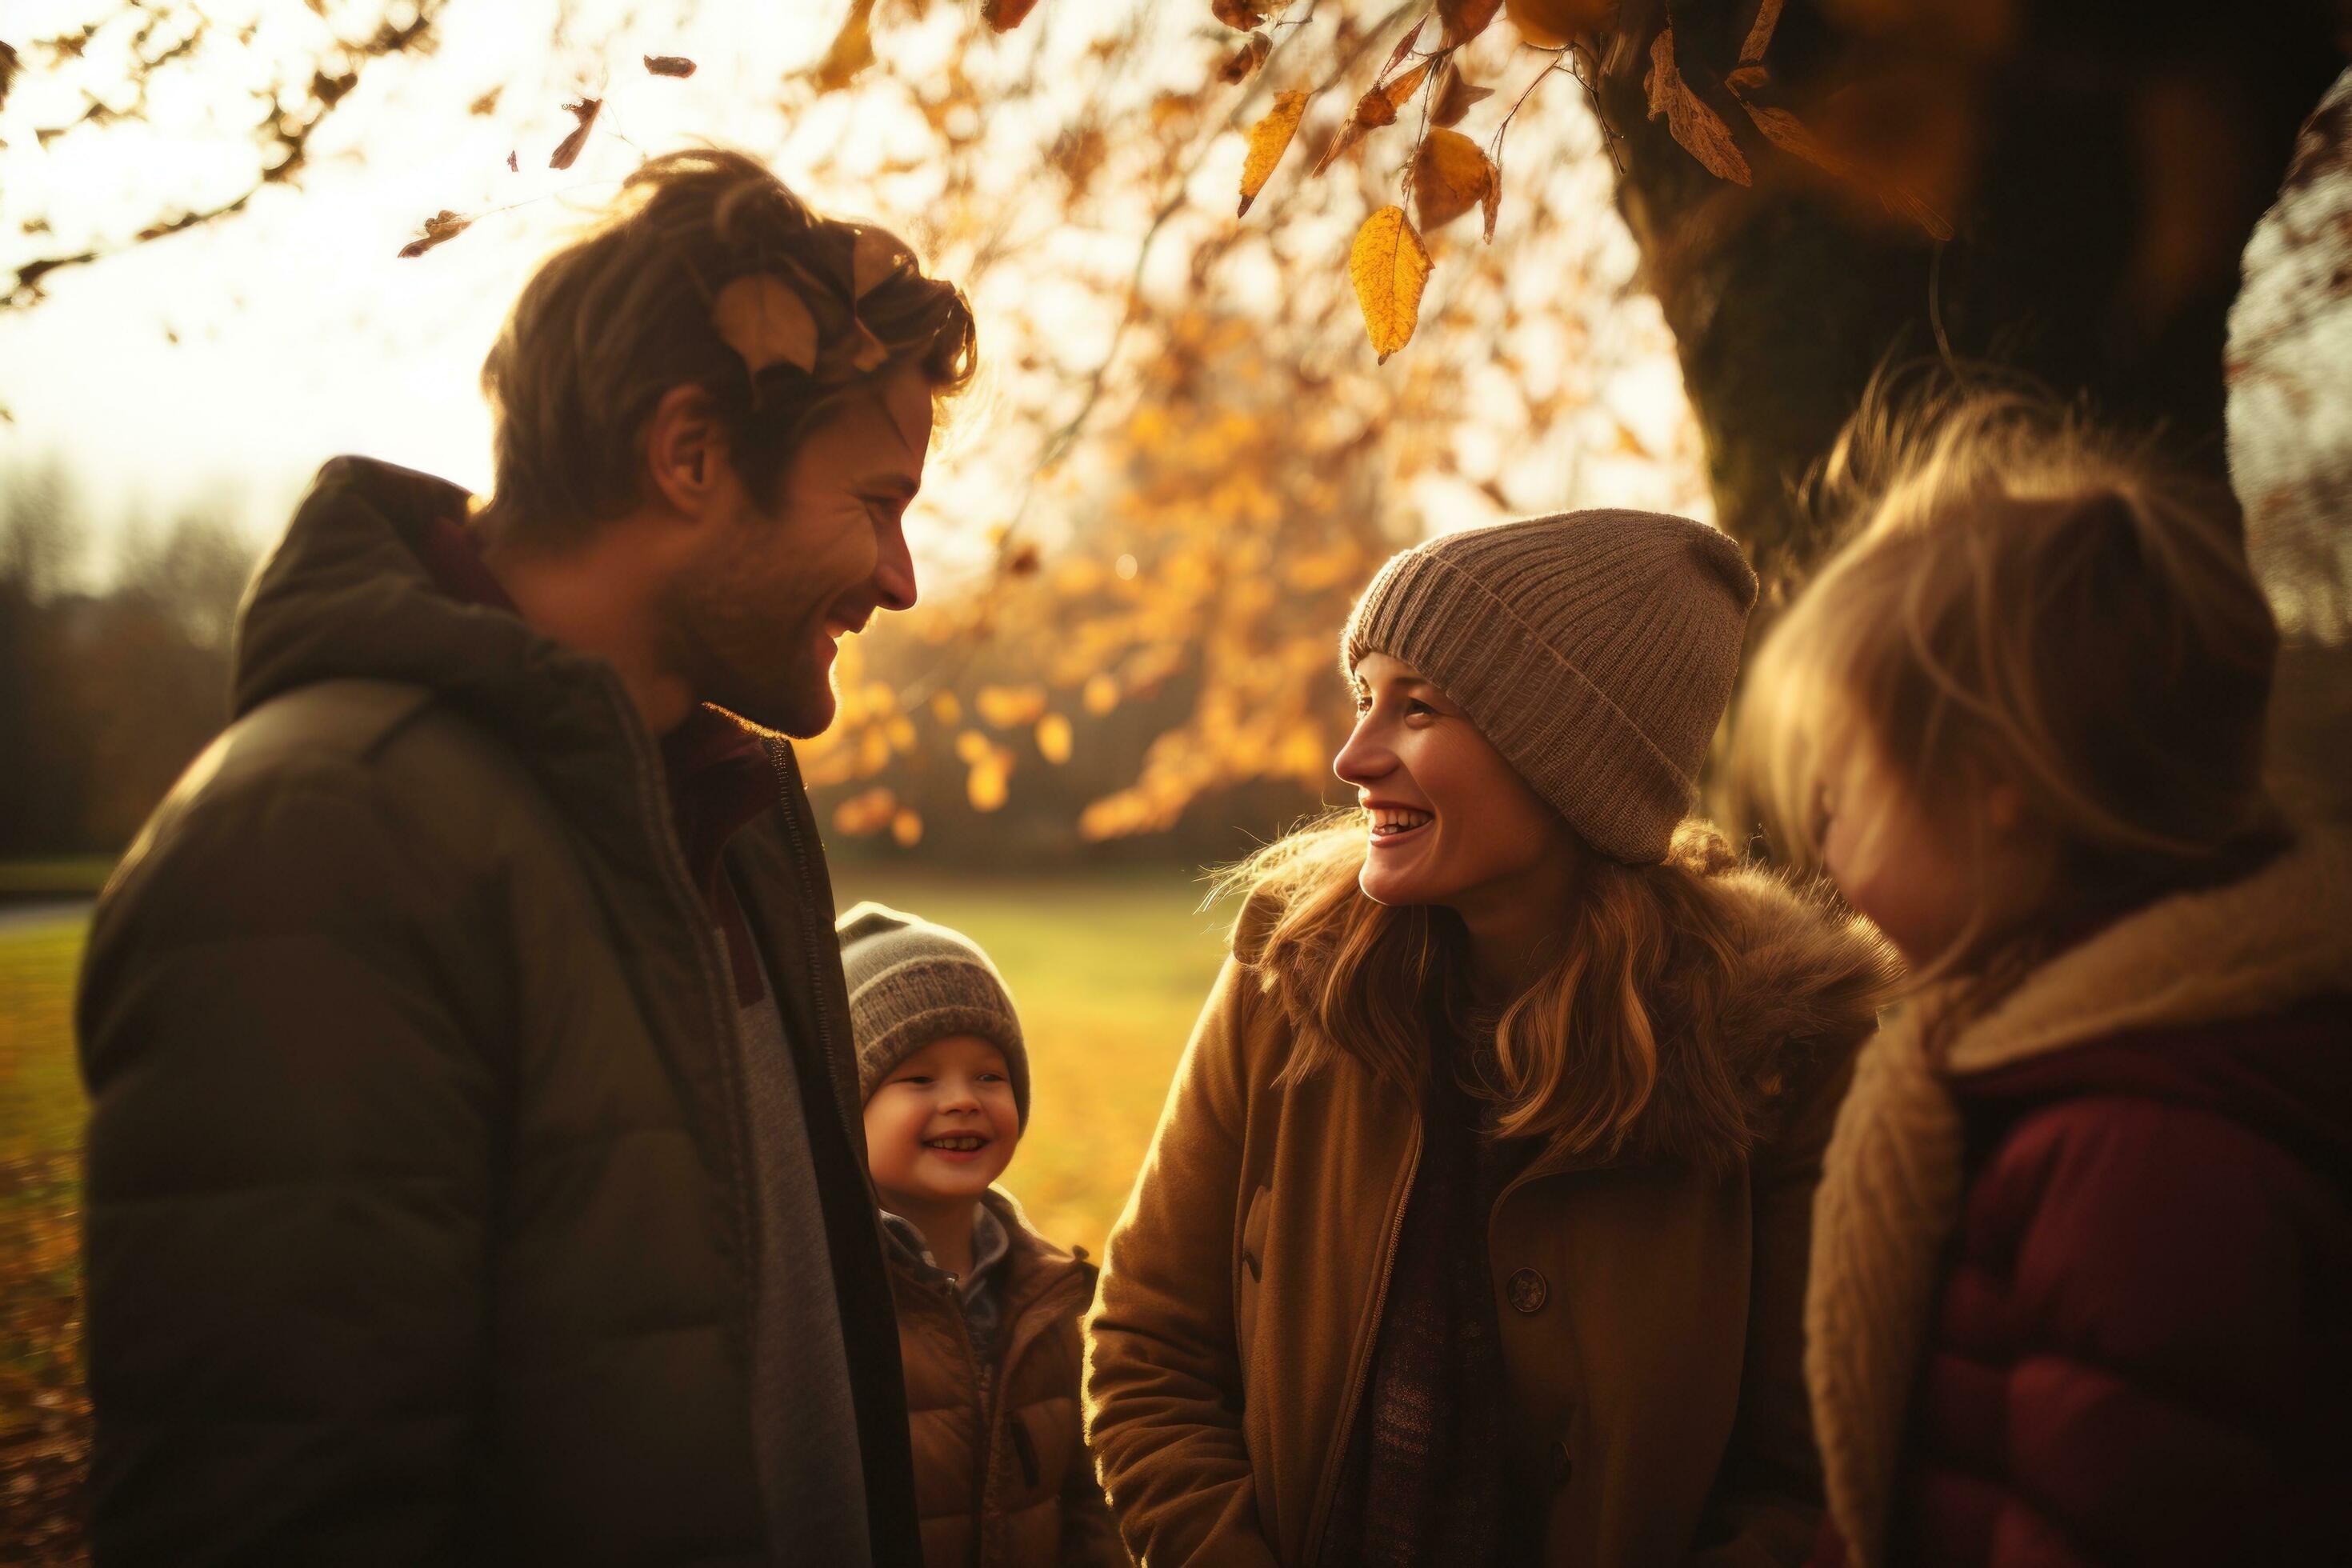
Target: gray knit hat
(1595, 649)
(911, 982)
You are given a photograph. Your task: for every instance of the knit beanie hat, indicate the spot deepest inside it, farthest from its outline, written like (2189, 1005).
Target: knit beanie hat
(911, 982)
(1595, 649)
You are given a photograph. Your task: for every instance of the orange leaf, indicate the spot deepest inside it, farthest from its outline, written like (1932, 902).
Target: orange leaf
(1552, 24)
(1760, 32)
(1786, 131)
(439, 229)
(1241, 15)
(1268, 139)
(1389, 267)
(1246, 59)
(1746, 80)
(1403, 46)
(1376, 108)
(1449, 175)
(1003, 15)
(669, 65)
(1465, 20)
(1701, 131)
(1455, 95)
(1490, 201)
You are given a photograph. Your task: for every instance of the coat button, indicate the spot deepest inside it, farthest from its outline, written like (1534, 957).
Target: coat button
(1526, 1291)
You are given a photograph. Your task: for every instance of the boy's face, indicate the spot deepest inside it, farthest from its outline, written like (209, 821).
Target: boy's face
(943, 1125)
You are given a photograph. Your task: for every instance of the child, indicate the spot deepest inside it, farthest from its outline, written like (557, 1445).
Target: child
(2081, 1275)
(988, 1310)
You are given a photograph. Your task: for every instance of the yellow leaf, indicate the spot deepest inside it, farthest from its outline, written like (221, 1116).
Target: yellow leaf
(1054, 738)
(1268, 139)
(1377, 107)
(907, 828)
(1450, 176)
(985, 786)
(1701, 131)
(1389, 268)
(1010, 707)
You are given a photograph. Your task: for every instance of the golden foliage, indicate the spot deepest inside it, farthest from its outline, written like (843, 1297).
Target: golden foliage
(1451, 175)
(1268, 139)
(1389, 267)
(1701, 130)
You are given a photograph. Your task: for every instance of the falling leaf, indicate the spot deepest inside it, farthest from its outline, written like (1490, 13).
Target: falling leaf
(1760, 32)
(1701, 131)
(488, 103)
(766, 322)
(1389, 268)
(1268, 139)
(1246, 59)
(1003, 15)
(584, 111)
(669, 65)
(439, 229)
(1786, 131)
(1450, 176)
(1455, 96)
(851, 51)
(1465, 20)
(1054, 738)
(1377, 107)
(1241, 15)
(1747, 79)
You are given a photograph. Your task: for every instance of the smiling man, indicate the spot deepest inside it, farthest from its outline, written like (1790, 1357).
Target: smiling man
(476, 1166)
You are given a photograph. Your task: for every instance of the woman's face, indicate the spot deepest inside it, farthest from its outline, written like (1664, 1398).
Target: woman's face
(1450, 821)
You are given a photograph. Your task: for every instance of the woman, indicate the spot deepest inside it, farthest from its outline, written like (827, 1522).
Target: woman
(1474, 1228)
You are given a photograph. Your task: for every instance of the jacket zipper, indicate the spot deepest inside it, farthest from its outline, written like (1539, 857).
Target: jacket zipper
(1363, 1355)
(652, 796)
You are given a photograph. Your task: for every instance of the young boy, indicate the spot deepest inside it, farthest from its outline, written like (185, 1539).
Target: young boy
(989, 1311)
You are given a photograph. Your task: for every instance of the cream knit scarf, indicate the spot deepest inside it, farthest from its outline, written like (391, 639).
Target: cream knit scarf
(1890, 1186)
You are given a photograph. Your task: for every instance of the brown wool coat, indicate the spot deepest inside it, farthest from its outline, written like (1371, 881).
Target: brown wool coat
(1002, 1475)
(1650, 1314)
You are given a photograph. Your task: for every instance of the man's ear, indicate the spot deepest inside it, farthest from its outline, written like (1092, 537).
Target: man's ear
(686, 451)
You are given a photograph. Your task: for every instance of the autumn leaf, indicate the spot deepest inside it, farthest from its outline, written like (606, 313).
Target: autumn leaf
(1377, 107)
(585, 112)
(1760, 32)
(488, 103)
(1701, 131)
(439, 229)
(1268, 139)
(1465, 20)
(1745, 79)
(1246, 59)
(1786, 131)
(1403, 46)
(765, 321)
(1389, 267)
(1455, 96)
(1449, 175)
(851, 51)
(1241, 15)
(514, 165)
(1490, 204)
(669, 65)
(1554, 24)
(1003, 15)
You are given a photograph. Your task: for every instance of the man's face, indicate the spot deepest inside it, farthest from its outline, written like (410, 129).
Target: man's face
(752, 621)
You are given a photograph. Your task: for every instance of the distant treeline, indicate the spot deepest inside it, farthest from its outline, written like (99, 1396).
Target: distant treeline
(106, 692)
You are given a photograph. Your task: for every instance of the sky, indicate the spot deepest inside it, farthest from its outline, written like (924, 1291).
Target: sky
(231, 361)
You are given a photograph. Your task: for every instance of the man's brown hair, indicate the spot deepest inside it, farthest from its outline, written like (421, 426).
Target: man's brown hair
(611, 323)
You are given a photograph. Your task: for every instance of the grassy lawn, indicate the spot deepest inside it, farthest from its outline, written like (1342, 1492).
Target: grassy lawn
(1108, 970)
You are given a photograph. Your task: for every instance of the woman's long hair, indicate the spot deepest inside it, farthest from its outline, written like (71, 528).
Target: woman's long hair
(1625, 1009)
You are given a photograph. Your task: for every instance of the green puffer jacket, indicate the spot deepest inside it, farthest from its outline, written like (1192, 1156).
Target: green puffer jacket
(418, 1221)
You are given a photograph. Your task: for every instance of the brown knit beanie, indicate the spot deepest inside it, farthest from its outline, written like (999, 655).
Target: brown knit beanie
(911, 982)
(1595, 649)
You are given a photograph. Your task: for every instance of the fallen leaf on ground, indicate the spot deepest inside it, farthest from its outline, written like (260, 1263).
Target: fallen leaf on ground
(1700, 129)
(1389, 267)
(1268, 139)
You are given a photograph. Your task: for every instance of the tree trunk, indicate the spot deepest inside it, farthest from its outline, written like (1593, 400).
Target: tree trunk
(2110, 163)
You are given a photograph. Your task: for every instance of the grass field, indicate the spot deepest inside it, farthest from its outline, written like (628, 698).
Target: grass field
(1108, 971)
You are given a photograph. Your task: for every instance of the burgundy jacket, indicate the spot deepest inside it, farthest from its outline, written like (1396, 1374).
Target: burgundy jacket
(2141, 1347)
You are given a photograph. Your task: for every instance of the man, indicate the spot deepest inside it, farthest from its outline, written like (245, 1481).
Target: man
(475, 1166)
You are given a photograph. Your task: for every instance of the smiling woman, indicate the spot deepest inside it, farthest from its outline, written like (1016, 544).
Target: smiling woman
(1585, 1060)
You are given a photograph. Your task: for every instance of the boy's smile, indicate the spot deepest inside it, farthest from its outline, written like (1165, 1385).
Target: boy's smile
(942, 1127)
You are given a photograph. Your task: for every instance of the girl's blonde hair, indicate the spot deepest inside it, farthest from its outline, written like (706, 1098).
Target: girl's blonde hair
(2023, 601)
(1645, 955)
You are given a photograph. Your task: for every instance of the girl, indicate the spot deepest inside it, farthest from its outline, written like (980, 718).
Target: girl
(1473, 1229)
(2082, 1252)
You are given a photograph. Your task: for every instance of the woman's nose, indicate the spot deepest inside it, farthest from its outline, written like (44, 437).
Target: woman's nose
(1365, 758)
